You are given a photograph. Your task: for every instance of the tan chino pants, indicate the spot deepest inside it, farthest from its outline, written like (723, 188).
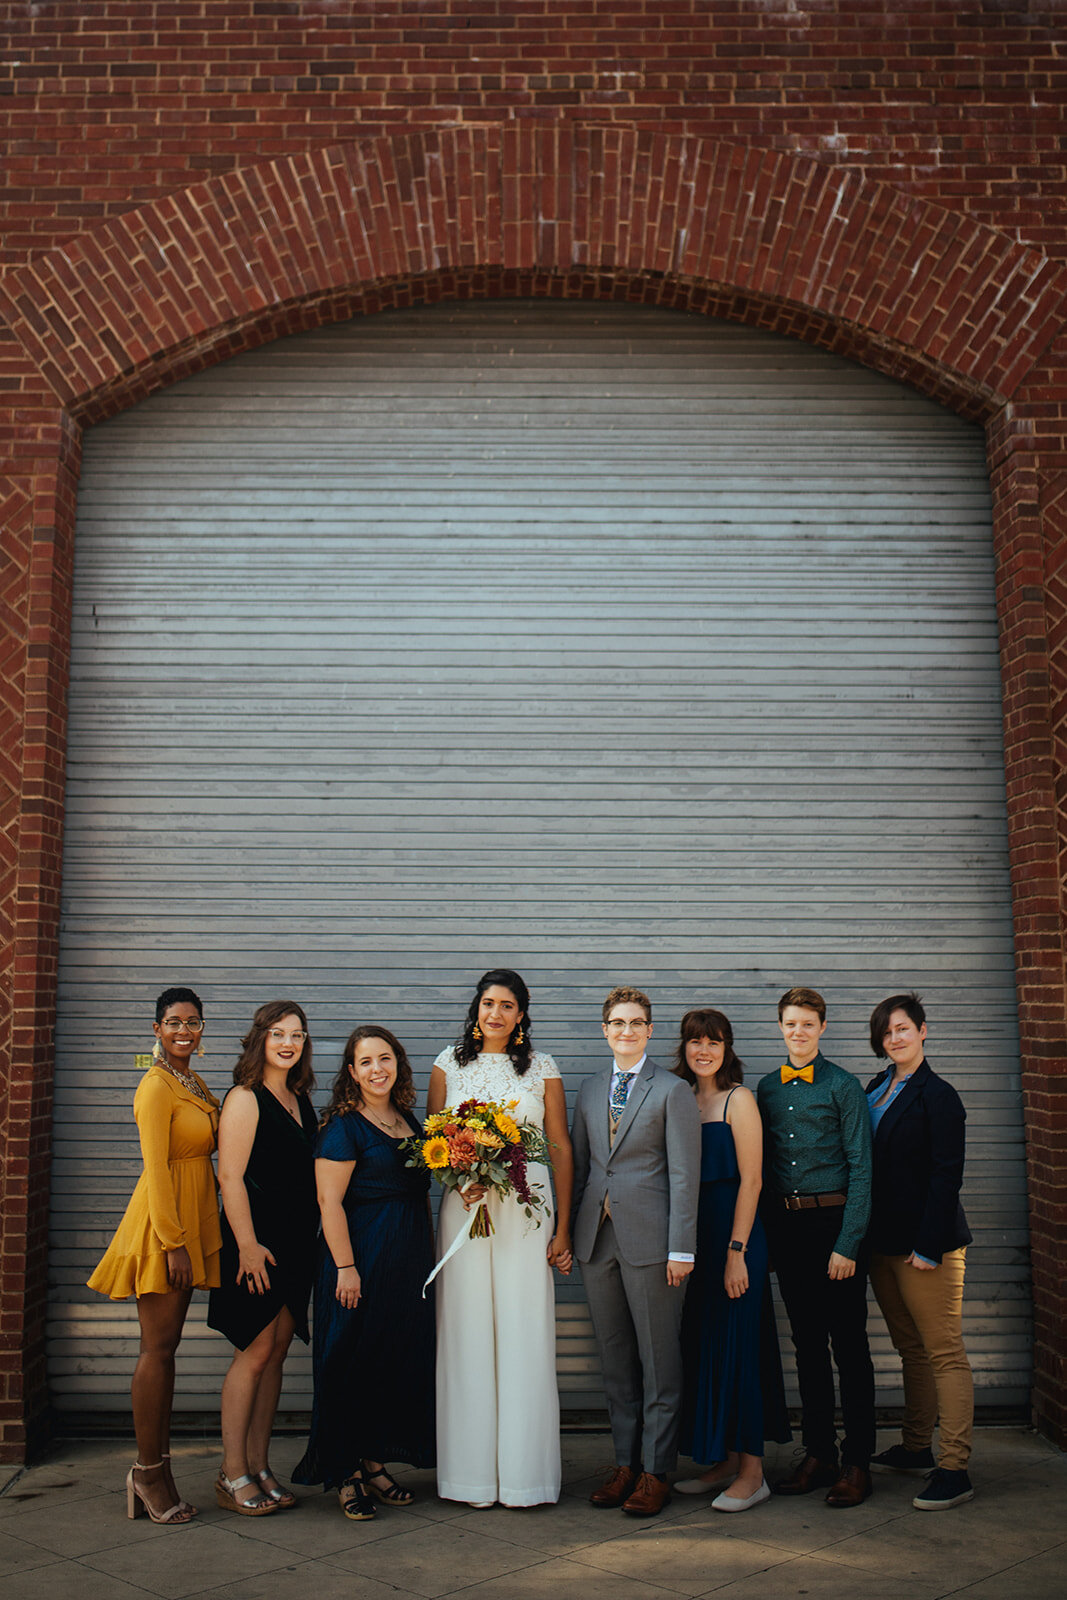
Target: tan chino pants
(923, 1313)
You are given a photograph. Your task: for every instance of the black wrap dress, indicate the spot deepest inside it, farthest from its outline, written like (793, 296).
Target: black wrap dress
(280, 1180)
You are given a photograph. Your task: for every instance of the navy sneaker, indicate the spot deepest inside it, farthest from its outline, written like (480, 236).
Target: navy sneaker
(902, 1460)
(944, 1489)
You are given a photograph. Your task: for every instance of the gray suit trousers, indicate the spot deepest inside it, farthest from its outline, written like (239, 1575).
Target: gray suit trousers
(637, 1320)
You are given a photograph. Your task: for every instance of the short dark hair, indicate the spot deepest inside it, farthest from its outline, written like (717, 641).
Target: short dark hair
(809, 999)
(708, 1023)
(174, 997)
(345, 1093)
(909, 1003)
(253, 1058)
(625, 993)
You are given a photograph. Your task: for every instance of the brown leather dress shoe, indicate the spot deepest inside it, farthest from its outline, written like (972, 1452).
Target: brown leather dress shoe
(649, 1497)
(811, 1474)
(614, 1489)
(852, 1488)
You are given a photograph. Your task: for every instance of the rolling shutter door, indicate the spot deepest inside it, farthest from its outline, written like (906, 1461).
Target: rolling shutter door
(604, 642)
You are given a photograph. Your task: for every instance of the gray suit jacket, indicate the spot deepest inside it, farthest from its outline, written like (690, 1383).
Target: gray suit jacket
(651, 1175)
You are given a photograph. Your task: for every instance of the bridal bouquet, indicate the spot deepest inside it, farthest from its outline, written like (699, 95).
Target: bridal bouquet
(480, 1142)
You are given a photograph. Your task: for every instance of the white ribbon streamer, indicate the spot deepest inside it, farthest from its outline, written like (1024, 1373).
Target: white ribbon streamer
(457, 1244)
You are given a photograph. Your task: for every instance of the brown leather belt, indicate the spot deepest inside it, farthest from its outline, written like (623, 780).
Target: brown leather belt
(808, 1202)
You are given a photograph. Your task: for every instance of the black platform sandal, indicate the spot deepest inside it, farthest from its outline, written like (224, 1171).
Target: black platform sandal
(356, 1503)
(393, 1494)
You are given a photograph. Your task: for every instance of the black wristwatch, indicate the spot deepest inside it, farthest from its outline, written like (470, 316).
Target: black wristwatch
(735, 1244)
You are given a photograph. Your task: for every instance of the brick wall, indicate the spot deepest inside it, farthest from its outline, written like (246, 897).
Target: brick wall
(186, 179)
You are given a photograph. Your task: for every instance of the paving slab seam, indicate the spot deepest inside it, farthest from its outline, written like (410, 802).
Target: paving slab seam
(1000, 1572)
(442, 1594)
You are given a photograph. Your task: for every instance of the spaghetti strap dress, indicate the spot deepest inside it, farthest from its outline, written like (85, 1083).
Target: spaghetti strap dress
(175, 1202)
(373, 1363)
(280, 1182)
(733, 1395)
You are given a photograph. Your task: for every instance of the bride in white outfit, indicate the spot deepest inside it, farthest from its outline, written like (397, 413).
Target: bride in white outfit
(497, 1401)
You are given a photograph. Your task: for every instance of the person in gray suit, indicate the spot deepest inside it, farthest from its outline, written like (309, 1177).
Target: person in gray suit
(636, 1142)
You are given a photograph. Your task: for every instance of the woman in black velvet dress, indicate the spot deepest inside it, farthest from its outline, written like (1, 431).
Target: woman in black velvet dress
(266, 1174)
(374, 1332)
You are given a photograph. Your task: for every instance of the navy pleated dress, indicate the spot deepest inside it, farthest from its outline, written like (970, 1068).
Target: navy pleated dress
(733, 1393)
(374, 1364)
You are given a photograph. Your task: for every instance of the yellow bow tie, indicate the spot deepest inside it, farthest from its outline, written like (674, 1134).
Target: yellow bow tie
(807, 1073)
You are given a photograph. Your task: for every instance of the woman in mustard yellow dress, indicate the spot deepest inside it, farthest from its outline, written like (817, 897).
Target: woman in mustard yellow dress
(168, 1242)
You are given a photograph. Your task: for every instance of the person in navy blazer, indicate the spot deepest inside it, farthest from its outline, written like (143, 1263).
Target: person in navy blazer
(918, 1239)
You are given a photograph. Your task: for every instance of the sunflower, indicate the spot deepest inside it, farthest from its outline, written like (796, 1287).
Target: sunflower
(435, 1153)
(508, 1128)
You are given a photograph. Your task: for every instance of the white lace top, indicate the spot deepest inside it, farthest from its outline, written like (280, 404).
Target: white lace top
(492, 1077)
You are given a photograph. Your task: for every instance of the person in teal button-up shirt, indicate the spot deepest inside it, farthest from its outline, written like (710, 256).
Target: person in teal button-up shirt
(816, 1207)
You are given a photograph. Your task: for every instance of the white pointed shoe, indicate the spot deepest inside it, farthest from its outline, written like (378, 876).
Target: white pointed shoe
(723, 1502)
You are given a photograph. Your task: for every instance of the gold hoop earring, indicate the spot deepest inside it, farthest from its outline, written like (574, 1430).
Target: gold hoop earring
(520, 1036)
(477, 1032)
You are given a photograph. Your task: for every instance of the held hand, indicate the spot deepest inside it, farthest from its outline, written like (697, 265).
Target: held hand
(473, 1194)
(559, 1253)
(735, 1278)
(252, 1268)
(349, 1288)
(840, 1267)
(922, 1266)
(677, 1272)
(179, 1268)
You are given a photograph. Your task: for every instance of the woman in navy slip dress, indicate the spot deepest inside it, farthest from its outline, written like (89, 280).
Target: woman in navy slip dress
(734, 1397)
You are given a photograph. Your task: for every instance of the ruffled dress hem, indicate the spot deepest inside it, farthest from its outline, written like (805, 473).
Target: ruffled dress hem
(120, 1276)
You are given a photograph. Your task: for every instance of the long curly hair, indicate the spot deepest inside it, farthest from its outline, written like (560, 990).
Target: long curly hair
(253, 1058)
(709, 1024)
(346, 1094)
(467, 1047)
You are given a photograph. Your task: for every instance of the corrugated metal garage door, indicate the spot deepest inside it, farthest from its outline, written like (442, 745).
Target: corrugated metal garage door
(604, 642)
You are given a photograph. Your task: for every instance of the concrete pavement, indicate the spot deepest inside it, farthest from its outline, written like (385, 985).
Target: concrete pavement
(64, 1532)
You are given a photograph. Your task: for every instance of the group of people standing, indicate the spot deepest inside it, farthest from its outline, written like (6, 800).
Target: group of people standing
(676, 1189)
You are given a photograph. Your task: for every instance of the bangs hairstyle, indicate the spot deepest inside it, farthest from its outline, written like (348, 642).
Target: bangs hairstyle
(346, 1094)
(178, 997)
(467, 1047)
(910, 1004)
(714, 1025)
(253, 1058)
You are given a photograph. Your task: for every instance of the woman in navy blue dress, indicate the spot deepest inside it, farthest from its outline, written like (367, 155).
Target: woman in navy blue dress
(733, 1396)
(374, 1332)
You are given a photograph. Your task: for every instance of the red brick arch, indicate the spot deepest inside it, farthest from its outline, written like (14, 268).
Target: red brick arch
(921, 293)
(918, 291)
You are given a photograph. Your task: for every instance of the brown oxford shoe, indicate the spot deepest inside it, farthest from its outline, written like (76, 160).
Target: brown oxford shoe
(811, 1474)
(852, 1488)
(648, 1498)
(614, 1489)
